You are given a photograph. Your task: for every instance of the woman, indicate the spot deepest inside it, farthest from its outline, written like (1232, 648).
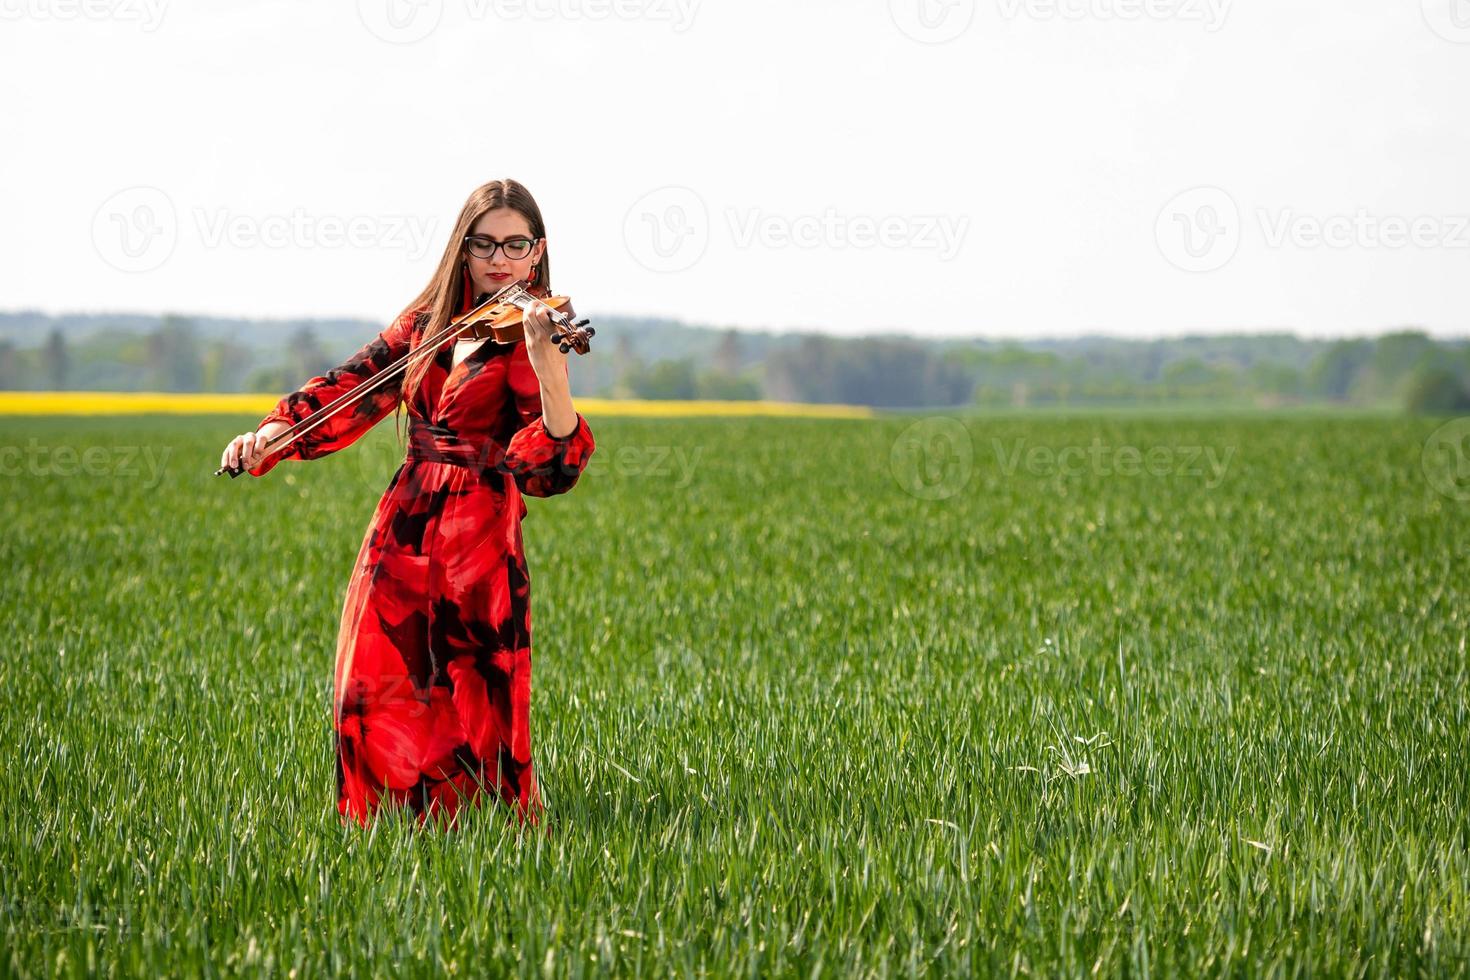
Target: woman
(432, 693)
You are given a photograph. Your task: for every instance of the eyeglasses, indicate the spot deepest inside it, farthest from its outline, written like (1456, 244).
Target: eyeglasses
(484, 248)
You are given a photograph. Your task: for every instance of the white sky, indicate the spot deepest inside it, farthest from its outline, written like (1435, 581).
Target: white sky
(994, 167)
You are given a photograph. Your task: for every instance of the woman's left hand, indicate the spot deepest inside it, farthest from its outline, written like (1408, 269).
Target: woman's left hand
(549, 363)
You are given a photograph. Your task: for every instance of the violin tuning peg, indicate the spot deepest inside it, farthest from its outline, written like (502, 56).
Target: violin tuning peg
(564, 348)
(591, 331)
(582, 322)
(556, 338)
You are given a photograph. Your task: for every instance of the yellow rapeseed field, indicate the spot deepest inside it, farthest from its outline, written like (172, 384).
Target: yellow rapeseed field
(152, 402)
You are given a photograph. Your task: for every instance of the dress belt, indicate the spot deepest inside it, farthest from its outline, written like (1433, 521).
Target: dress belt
(433, 443)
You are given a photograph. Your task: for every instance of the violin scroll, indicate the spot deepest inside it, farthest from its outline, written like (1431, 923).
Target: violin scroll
(566, 339)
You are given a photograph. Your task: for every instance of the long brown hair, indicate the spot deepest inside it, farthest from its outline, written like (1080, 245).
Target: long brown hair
(442, 298)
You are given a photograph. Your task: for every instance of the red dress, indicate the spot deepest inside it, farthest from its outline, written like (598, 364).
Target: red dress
(432, 692)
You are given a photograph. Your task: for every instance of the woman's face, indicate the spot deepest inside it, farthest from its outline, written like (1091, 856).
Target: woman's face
(500, 225)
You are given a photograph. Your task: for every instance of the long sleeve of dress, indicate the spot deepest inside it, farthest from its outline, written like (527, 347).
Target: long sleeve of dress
(348, 425)
(542, 466)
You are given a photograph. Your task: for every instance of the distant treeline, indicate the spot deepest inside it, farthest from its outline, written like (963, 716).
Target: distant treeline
(647, 358)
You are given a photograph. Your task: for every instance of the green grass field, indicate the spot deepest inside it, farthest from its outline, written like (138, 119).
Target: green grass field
(811, 697)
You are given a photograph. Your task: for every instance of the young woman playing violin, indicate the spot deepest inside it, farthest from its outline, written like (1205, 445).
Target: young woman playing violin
(432, 693)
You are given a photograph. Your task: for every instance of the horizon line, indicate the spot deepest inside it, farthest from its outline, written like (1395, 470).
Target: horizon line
(893, 332)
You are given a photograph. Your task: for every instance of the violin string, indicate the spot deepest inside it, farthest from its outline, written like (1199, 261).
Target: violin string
(351, 397)
(357, 393)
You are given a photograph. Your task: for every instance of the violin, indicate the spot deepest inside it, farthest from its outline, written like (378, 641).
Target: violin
(499, 317)
(502, 318)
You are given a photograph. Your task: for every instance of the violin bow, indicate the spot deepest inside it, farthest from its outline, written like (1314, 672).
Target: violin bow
(573, 336)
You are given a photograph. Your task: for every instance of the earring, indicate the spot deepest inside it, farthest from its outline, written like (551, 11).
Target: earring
(534, 273)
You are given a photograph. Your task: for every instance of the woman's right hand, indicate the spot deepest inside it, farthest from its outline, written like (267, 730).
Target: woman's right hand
(249, 447)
